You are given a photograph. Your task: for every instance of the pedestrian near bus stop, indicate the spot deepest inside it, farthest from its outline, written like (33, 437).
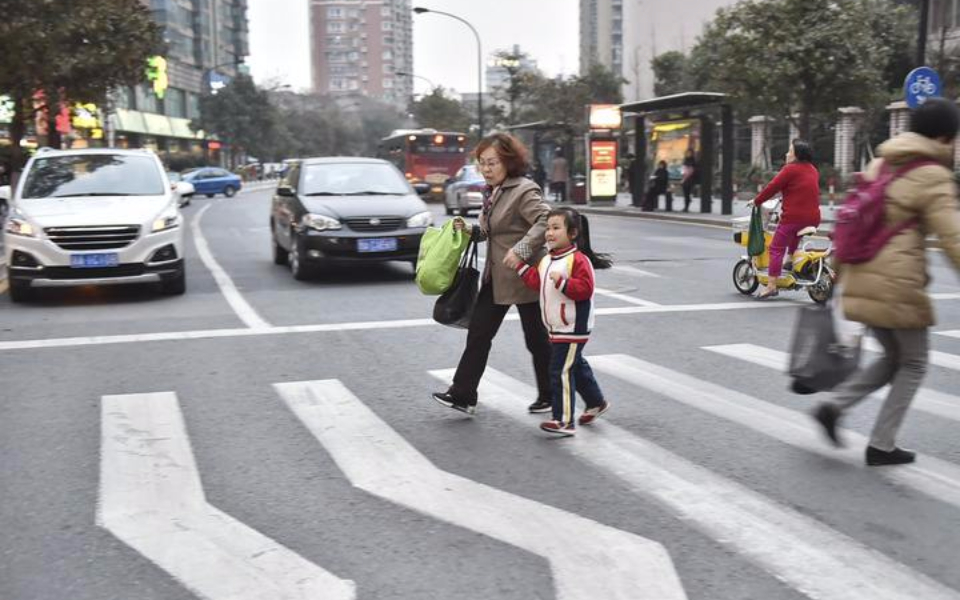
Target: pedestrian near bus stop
(888, 292)
(512, 222)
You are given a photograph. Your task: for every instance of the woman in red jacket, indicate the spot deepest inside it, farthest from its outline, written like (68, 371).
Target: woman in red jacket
(799, 183)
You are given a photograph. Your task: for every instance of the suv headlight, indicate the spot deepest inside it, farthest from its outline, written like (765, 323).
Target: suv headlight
(167, 220)
(320, 222)
(17, 224)
(424, 219)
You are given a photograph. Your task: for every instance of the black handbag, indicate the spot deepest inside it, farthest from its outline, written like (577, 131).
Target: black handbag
(818, 360)
(455, 306)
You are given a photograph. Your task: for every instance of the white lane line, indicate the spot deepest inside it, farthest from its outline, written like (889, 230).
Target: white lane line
(589, 560)
(151, 498)
(928, 401)
(624, 297)
(633, 271)
(353, 326)
(937, 358)
(953, 333)
(946, 296)
(240, 306)
(799, 550)
(937, 478)
(615, 295)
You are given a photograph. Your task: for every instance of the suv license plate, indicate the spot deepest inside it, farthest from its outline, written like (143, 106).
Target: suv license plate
(93, 261)
(376, 244)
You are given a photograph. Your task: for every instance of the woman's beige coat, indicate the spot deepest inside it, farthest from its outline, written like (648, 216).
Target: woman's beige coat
(889, 291)
(517, 221)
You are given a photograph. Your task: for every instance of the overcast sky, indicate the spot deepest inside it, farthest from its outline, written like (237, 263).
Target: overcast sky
(444, 50)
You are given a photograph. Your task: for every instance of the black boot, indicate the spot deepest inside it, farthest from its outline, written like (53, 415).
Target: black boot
(828, 415)
(898, 456)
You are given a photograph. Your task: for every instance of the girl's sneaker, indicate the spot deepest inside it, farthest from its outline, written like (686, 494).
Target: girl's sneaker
(558, 429)
(590, 415)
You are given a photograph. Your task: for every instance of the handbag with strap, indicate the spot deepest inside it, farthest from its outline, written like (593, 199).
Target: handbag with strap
(756, 245)
(822, 355)
(455, 306)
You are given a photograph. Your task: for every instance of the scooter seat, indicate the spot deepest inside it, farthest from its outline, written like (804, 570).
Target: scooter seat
(807, 231)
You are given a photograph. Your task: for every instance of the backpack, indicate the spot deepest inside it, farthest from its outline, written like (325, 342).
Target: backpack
(861, 231)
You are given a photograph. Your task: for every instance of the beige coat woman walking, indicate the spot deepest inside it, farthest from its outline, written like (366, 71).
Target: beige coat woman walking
(888, 293)
(512, 222)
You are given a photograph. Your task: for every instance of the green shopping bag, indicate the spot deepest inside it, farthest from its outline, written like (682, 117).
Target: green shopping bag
(755, 241)
(439, 258)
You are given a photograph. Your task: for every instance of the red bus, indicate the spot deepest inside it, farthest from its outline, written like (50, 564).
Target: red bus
(426, 155)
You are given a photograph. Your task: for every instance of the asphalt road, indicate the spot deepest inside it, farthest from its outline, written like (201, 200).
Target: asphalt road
(261, 437)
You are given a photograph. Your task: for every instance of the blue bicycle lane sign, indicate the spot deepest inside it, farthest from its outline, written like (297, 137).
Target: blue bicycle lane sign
(920, 84)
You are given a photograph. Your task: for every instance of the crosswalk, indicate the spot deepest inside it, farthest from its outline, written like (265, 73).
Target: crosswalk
(152, 497)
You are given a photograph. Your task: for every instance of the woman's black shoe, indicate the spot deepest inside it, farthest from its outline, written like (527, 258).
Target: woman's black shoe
(540, 406)
(898, 456)
(450, 401)
(828, 415)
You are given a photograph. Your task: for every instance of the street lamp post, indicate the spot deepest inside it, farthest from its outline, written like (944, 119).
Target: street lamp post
(420, 10)
(922, 34)
(405, 74)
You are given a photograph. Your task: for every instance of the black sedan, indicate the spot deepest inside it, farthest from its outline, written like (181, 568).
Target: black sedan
(347, 210)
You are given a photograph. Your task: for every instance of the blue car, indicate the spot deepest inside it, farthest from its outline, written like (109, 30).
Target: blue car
(214, 180)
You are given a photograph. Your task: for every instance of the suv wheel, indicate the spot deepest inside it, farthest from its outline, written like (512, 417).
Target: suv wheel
(176, 285)
(20, 291)
(229, 191)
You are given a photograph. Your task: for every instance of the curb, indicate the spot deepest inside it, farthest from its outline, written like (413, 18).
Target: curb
(654, 216)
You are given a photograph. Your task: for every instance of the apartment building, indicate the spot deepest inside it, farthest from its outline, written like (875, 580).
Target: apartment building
(359, 46)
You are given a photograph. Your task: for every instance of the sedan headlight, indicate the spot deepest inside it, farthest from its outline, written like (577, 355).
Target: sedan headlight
(167, 220)
(17, 224)
(320, 222)
(424, 219)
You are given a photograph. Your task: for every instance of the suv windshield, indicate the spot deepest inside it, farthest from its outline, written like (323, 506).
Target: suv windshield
(345, 179)
(93, 175)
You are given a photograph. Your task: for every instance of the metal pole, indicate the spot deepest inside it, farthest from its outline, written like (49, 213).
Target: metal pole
(476, 35)
(922, 37)
(727, 151)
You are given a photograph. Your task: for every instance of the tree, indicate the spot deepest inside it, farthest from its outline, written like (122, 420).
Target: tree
(440, 112)
(670, 73)
(564, 100)
(241, 115)
(519, 79)
(72, 51)
(804, 56)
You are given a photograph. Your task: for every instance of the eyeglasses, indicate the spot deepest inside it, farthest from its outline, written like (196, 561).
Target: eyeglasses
(488, 164)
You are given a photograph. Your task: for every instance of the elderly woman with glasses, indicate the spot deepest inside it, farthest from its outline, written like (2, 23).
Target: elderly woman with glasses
(512, 222)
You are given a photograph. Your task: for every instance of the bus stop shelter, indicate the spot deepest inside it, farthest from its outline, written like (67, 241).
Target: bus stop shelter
(688, 105)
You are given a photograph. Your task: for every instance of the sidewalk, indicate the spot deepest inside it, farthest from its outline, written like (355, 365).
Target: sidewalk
(741, 208)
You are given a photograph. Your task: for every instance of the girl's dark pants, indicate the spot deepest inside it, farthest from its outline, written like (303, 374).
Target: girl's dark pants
(570, 373)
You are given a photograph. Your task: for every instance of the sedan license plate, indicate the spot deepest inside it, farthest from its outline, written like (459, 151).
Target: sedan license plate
(93, 261)
(376, 244)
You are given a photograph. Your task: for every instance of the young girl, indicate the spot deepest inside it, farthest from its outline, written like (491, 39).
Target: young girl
(564, 279)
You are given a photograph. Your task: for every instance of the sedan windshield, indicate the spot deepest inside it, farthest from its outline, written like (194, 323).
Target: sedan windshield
(93, 175)
(353, 179)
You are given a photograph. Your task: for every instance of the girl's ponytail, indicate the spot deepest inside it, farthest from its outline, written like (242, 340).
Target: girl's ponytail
(599, 261)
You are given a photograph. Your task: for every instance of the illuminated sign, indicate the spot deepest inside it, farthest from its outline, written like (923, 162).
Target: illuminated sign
(6, 109)
(157, 74)
(603, 154)
(603, 183)
(86, 116)
(605, 116)
(213, 145)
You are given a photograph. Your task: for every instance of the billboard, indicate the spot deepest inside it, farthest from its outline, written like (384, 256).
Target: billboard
(670, 140)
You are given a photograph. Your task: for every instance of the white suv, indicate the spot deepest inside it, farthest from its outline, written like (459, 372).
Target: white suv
(93, 217)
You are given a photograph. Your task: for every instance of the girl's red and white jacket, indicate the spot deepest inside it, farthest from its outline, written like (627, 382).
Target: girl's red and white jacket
(566, 306)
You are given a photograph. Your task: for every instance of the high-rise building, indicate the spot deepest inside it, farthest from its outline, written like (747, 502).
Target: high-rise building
(359, 46)
(625, 35)
(207, 42)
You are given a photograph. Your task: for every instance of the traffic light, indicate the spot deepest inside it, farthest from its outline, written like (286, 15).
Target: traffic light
(157, 74)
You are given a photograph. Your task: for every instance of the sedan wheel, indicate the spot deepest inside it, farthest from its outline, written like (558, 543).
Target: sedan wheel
(280, 256)
(300, 271)
(229, 191)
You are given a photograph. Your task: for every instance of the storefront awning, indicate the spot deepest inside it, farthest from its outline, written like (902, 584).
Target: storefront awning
(134, 121)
